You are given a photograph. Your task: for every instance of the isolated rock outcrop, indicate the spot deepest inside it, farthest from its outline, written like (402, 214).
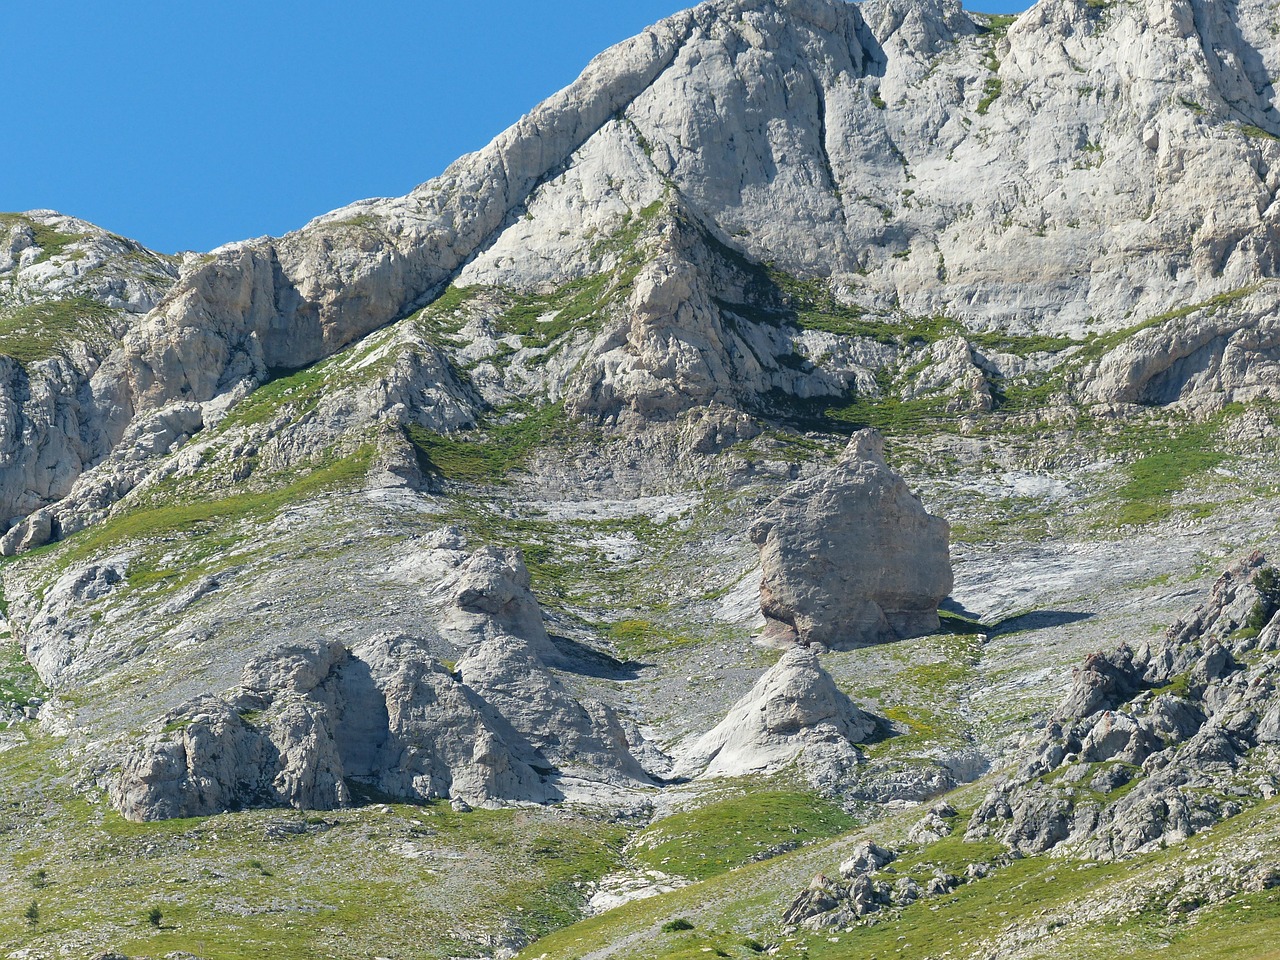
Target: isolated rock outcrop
(310, 723)
(794, 709)
(850, 556)
(491, 598)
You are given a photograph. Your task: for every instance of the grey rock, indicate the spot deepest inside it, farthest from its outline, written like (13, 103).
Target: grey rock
(1162, 761)
(867, 857)
(935, 825)
(310, 719)
(850, 557)
(794, 708)
(822, 895)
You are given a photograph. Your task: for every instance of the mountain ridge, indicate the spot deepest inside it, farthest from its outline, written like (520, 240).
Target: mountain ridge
(508, 434)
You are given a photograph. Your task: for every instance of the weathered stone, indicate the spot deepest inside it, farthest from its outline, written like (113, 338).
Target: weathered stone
(793, 708)
(850, 557)
(867, 857)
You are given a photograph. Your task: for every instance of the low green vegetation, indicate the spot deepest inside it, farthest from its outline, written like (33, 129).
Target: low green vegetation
(18, 680)
(1164, 456)
(998, 24)
(300, 390)
(502, 443)
(200, 886)
(641, 638)
(998, 27)
(991, 91)
(359, 221)
(51, 241)
(1267, 582)
(1055, 906)
(725, 834)
(1098, 345)
(541, 319)
(1257, 133)
(39, 331)
(196, 516)
(446, 315)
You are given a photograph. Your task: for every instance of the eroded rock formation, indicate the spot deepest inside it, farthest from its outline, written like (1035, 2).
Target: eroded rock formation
(1156, 741)
(794, 709)
(850, 556)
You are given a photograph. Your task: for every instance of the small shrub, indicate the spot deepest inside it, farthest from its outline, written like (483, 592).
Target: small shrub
(40, 879)
(676, 925)
(1267, 583)
(32, 914)
(154, 916)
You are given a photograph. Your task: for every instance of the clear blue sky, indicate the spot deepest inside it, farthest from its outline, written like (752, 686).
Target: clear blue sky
(187, 124)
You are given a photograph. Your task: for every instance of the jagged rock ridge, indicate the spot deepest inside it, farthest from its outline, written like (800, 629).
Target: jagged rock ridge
(1156, 741)
(926, 160)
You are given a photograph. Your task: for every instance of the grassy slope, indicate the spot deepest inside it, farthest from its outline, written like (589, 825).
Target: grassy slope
(1028, 902)
(349, 883)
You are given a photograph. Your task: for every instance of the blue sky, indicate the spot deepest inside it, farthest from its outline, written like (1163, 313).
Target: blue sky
(186, 125)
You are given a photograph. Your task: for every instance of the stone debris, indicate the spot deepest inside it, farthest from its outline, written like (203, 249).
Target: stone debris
(1156, 741)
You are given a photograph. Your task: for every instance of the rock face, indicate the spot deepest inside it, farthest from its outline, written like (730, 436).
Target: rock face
(311, 726)
(1156, 742)
(69, 291)
(794, 709)
(734, 220)
(315, 725)
(850, 557)
(926, 161)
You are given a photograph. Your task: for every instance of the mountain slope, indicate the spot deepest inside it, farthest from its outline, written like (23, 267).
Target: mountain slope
(448, 496)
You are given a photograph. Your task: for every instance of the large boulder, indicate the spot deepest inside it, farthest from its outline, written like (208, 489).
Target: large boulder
(850, 557)
(794, 708)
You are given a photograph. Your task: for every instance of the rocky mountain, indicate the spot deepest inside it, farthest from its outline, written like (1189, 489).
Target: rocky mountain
(597, 488)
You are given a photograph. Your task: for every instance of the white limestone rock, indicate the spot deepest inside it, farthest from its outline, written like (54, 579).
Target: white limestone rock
(850, 557)
(794, 708)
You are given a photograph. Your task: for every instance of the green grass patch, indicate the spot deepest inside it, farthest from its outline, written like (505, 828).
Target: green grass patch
(958, 623)
(225, 890)
(1179, 686)
(641, 638)
(950, 854)
(39, 331)
(198, 517)
(51, 241)
(446, 315)
(728, 833)
(503, 443)
(1167, 455)
(1257, 133)
(991, 91)
(998, 24)
(299, 389)
(541, 319)
(18, 679)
